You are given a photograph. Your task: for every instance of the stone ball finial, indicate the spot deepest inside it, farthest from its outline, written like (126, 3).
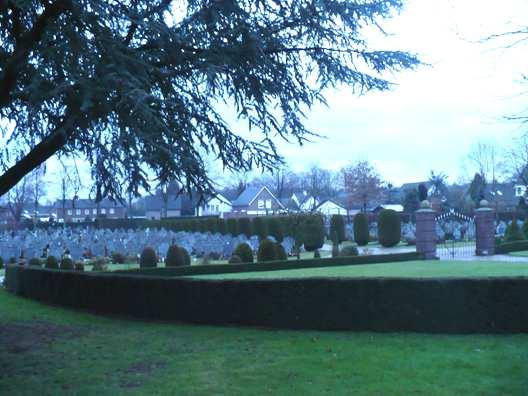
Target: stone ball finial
(425, 204)
(484, 204)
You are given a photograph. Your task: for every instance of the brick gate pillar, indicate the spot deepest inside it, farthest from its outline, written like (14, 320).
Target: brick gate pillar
(485, 229)
(426, 231)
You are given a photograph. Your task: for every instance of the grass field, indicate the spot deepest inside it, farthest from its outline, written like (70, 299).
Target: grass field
(519, 254)
(52, 351)
(407, 269)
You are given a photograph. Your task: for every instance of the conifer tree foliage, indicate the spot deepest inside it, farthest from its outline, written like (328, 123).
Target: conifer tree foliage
(134, 86)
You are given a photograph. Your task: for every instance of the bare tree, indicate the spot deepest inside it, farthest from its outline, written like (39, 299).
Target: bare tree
(38, 187)
(317, 182)
(18, 197)
(362, 184)
(485, 158)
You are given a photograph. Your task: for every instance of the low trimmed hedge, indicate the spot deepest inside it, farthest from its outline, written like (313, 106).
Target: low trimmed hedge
(486, 305)
(508, 247)
(273, 265)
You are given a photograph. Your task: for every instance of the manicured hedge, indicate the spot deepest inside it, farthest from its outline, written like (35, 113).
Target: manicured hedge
(274, 265)
(507, 247)
(487, 305)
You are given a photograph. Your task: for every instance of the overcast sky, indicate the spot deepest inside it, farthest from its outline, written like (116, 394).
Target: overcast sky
(434, 115)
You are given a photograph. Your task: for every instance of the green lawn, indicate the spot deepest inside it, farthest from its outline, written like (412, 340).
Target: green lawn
(407, 269)
(519, 254)
(53, 351)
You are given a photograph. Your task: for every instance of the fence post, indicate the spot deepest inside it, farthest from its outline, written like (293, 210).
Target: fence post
(485, 229)
(426, 231)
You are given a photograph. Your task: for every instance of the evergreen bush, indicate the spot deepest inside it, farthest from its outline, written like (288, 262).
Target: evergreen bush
(260, 227)
(266, 250)
(389, 228)
(244, 227)
(337, 226)
(186, 256)
(35, 262)
(276, 229)
(361, 229)
(148, 258)
(513, 232)
(52, 262)
(78, 266)
(313, 233)
(280, 252)
(525, 228)
(1, 263)
(234, 259)
(118, 258)
(175, 256)
(66, 264)
(243, 250)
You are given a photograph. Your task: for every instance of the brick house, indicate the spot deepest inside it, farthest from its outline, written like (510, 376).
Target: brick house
(256, 201)
(77, 210)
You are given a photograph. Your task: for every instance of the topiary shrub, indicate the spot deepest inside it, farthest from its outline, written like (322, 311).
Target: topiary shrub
(525, 228)
(389, 228)
(280, 252)
(361, 229)
(35, 262)
(349, 251)
(317, 254)
(337, 226)
(1, 263)
(148, 258)
(175, 257)
(276, 229)
(66, 264)
(244, 227)
(186, 256)
(234, 259)
(243, 250)
(513, 232)
(266, 250)
(313, 233)
(78, 266)
(335, 245)
(232, 226)
(260, 228)
(118, 258)
(52, 262)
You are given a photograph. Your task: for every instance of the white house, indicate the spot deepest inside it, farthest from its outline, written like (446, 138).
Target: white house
(215, 206)
(329, 208)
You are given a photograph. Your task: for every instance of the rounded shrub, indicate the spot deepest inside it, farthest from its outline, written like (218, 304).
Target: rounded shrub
(35, 262)
(232, 227)
(513, 232)
(267, 250)
(280, 252)
(52, 262)
(78, 266)
(244, 227)
(243, 250)
(66, 264)
(234, 259)
(175, 257)
(118, 258)
(337, 227)
(389, 228)
(361, 229)
(276, 229)
(186, 256)
(260, 227)
(313, 233)
(148, 258)
(349, 251)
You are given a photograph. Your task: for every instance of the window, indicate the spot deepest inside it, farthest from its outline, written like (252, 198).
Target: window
(70, 212)
(86, 211)
(112, 211)
(103, 211)
(94, 211)
(260, 204)
(268, 203)
(519, 191)
(78, 211)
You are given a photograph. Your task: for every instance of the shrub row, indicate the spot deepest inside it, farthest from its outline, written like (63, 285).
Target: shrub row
(515, 246)
(274, 265)
(488, 305)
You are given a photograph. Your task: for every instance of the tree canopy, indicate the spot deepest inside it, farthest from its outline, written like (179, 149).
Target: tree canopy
(135, 86)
